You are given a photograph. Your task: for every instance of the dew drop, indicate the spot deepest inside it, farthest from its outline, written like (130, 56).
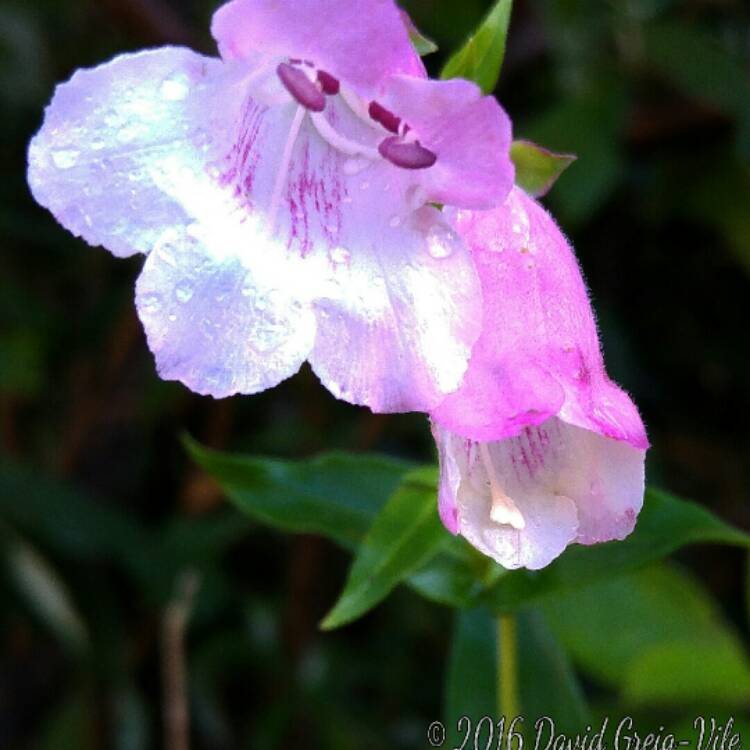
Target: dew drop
(442, 241)
(364, 185)
(340, 255)
(395, 221)
(127, 134)
(150, 303)
(184, 292)
(176, 88)
(65, 159)
(355, 166)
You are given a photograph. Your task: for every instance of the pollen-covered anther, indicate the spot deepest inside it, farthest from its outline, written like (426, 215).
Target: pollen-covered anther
(412, 155)
(304, 91)
(328, 83)
(384, 117)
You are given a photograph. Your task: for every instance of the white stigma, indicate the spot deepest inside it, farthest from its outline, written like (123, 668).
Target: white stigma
(339, 142)
(502, 509)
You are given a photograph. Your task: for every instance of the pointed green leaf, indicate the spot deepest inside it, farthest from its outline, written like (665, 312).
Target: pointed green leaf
(677, 647)
(336, 494)
(404, 536)
(549, 685)
(481, 57)
(537, 168)
(471, 677)
(421, 43)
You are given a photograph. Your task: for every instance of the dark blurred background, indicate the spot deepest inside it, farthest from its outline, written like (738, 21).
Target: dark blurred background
(653, 96)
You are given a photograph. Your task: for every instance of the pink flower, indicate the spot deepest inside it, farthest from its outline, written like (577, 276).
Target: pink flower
(538, 448)
(283, 196)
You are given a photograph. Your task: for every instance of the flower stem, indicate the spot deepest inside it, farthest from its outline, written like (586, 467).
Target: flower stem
(507, 668)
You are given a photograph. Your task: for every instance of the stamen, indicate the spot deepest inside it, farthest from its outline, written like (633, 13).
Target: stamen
(328, 83)
(383, 116)
(406, 155)
(502, 510)
(301, 87)
(339, 142)
(283, 173)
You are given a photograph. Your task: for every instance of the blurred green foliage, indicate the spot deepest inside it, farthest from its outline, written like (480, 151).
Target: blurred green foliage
(102, 512)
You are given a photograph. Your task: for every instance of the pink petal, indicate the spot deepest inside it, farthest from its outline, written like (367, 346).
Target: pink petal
(396, 328)
(95, 163)
(165, 151)
(469, 133)
(358, 41)
(569, 484)
(538, 355)
(216, 326)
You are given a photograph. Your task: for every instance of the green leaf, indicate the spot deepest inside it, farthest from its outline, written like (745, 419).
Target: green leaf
(405, 535)
(481, 57)
(549, 685)
(421, 43)
(537, 168)
(547, 682)
(690, 672)
(471, 677)
(665, 524)
(336, 494)
(452, 577)
(673, 646)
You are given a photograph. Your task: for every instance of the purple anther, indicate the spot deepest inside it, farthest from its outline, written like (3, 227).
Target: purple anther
(386, 118)
(407, 155)
(328, 83)
(301, 87)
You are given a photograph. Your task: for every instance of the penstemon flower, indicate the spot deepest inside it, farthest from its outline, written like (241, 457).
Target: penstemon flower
(283, 197)
(538, 448)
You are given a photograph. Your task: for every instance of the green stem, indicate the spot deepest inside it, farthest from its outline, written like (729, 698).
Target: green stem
(507, 668)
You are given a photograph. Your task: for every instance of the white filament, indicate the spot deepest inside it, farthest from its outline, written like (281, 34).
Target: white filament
(338, 141)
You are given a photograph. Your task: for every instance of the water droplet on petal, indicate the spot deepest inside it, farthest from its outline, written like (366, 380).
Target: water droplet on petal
(355, 166)
(65, 159)
(128, 134)
(175, 88)
(395, 221)
(184, 291)
(150, 303)
(340, 255)
(442, 241)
